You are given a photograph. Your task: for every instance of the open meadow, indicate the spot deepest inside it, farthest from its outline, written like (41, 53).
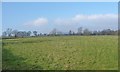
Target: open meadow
(61, 53)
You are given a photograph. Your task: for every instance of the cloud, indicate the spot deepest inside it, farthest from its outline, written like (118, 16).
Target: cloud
(60, 21)
(37, 22)
(94, 19)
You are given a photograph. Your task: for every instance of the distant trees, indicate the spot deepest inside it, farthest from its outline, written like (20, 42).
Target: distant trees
(87, 32)
(22, 34)
(70, 32)
(107, 32)
(79, 31)
(40, 34)
(19, 34)
(95, 33)
(35, 33)
(29, 33)
(15, 33)
(55, 32)
(9, 32)
(4, 34)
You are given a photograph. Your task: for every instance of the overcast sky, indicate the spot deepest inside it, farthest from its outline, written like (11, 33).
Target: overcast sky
(64, 16)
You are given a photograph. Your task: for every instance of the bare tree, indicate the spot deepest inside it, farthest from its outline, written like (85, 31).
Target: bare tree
(9, 32)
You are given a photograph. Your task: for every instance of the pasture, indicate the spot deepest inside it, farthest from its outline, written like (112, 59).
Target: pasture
(61, 53)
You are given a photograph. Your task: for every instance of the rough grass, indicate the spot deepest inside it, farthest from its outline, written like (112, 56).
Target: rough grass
(61, 53)
(0, 54)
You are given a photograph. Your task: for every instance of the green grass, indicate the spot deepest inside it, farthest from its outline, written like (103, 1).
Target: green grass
(0, 54)
(61, 53)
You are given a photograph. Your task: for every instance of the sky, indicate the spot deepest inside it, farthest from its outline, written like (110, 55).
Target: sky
(60, 0)
(64, 16)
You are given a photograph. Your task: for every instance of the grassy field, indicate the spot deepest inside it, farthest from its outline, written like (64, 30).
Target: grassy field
(61, 53)
(0, 54)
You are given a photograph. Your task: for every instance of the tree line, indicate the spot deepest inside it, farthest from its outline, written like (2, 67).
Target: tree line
(15, 33)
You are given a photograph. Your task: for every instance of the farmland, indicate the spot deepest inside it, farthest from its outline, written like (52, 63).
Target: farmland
(61, 53)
